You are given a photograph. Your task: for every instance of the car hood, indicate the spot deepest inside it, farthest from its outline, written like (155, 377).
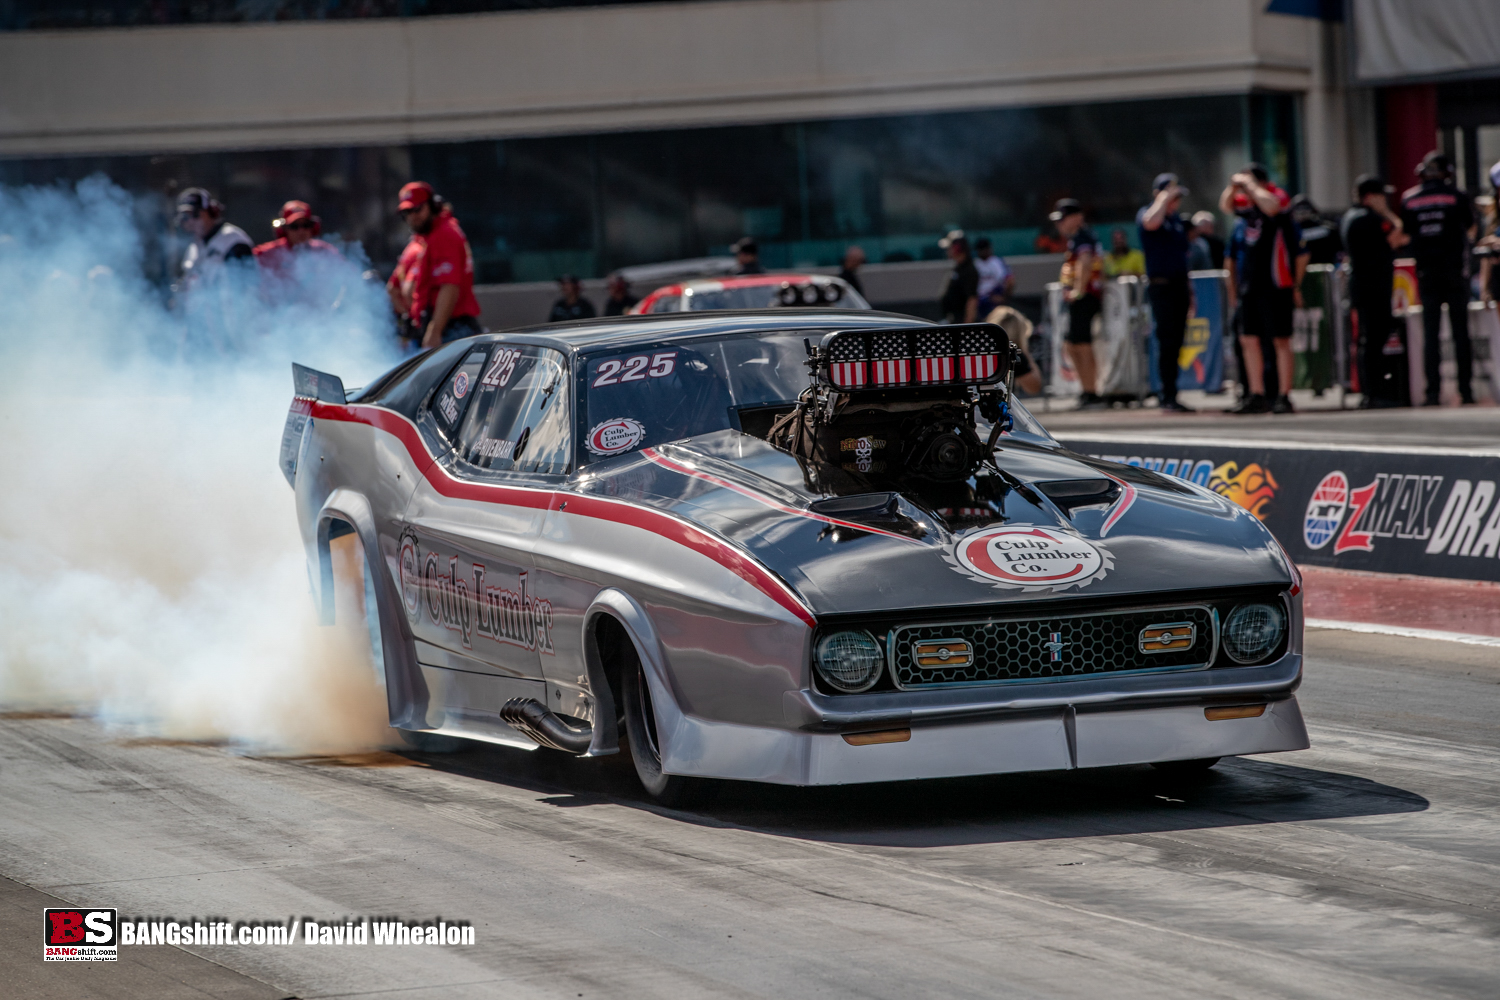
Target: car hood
(1053, 526)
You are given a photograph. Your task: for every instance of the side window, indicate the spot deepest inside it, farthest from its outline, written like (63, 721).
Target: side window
(456, 393)
(666, 304)
(521, 421)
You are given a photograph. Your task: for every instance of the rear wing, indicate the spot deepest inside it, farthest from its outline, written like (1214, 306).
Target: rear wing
(307, 386)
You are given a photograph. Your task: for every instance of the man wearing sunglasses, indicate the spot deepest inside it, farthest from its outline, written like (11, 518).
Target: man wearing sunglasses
(442, 299)
(296, 232)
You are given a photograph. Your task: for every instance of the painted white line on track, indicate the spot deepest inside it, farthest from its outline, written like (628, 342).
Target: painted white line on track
(1410, 633)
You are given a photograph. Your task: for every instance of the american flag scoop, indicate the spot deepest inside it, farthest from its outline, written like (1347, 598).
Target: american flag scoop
(890, 362)
(978, 355)
(934, 356)
(847, 365)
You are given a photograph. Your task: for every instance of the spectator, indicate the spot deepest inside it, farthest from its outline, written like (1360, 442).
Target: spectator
(995, 279)
(1440, 219)
(854, 259)
(1206, 252)
(215, 242)
(960, 299)
(1083, 290)
(620, 300)
(1266, 262)
(1018, 328)
(1320, 235)
(1372, 231)
(297, 231)
(1486, 248)
(443, 303)
(401, 288)
(1164, 244)
(572, 305)
(747, 256)
(1122, 259)
(1049, 240)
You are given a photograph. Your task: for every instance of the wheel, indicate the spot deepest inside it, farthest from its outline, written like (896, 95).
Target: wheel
(1196, 766)
(640, 732)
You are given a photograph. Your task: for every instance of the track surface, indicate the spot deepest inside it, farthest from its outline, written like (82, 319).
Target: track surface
(1366, 867)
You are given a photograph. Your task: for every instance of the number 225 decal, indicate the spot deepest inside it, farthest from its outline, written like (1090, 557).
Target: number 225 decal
(635, 369)
(501, 368)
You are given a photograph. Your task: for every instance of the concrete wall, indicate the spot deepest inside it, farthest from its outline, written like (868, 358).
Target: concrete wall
(638, 66)
(887, 286)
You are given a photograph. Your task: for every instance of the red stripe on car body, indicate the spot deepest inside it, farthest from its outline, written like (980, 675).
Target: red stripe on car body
(617, 511)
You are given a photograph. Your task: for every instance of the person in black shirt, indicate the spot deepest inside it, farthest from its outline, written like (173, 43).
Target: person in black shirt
(572, 305)
(1438, 218)
(620, 300)
(747, 256)
(1320, 235)
(1371, 232)
(854, 259)
(1164, 242)
(960, 299)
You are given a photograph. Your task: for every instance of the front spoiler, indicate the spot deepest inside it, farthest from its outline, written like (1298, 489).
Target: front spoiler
(809, 711)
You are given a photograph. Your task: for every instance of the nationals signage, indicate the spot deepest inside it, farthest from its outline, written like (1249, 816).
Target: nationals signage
(1429, 513)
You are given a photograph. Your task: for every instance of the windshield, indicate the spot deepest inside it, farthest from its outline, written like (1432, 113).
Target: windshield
(651, 395)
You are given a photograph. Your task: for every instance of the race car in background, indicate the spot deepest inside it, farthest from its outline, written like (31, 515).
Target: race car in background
(803, 546)
(752, 291)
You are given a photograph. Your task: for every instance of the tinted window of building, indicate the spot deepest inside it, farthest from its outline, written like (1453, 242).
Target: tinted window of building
(536, 208)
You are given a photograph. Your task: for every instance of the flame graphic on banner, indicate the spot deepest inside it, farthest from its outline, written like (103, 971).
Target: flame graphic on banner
(1252, 487)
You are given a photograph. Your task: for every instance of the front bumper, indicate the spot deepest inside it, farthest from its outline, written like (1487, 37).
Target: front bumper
(1034, 726)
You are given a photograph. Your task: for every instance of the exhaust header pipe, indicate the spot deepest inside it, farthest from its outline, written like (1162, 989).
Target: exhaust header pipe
(532, 718)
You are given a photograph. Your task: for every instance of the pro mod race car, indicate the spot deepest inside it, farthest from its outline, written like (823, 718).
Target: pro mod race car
(752, 291)
(797, 546)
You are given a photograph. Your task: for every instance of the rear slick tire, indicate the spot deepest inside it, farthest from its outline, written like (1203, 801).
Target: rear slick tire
(671, 790)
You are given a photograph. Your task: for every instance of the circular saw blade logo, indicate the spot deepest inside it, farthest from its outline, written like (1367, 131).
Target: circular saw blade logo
(1029, 559)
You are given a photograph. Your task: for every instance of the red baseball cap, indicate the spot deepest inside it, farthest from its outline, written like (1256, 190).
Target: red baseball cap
(295, 210)
(414, 194)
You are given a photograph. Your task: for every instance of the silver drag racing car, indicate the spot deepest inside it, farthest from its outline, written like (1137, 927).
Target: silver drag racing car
(796, 546)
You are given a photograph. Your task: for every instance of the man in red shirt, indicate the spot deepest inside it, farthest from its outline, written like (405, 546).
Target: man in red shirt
(296, 231)
(443, 302)
(402, 284)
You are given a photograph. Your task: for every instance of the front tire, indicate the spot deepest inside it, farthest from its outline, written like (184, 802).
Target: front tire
(645, 752)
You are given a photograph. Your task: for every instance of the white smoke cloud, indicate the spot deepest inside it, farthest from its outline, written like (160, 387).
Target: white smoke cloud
(151, 571)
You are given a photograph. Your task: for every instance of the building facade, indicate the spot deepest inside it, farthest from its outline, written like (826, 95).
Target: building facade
(585, 138)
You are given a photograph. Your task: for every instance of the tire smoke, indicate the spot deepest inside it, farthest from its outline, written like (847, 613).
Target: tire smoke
(151, 572)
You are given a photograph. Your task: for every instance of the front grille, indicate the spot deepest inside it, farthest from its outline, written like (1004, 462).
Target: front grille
(1038, 648)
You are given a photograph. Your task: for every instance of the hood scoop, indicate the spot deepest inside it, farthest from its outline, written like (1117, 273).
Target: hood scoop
(1071, 494)
(886, 510)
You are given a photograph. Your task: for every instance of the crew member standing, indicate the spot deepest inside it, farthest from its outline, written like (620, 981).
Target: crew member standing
(747, 256)
(443, 300)
(1082, 279)
(401, 287)
(1438, 218)
(215, 242)
(296, 231)
(995, 280)
(959, 300)
(1371, 232)
(1164, 242)
(1266, 261)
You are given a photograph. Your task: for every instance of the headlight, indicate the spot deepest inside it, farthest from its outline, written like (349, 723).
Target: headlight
(849, 661)
(1253, 631)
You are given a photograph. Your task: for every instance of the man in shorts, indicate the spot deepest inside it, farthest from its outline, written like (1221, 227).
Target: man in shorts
(1083, 288)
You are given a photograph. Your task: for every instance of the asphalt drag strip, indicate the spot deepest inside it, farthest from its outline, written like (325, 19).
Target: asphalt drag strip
(1368, 866)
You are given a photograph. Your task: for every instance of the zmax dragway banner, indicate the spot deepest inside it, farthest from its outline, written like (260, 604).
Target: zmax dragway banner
(1430, 513)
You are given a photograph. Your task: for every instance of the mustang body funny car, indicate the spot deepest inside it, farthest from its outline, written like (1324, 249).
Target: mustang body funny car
(802, 546)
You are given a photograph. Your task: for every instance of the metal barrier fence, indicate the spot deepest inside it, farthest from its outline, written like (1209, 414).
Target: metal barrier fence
(1324, 339)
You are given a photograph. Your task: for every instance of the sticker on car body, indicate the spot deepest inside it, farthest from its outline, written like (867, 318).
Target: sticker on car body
(616, 436)
(1030, 559)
